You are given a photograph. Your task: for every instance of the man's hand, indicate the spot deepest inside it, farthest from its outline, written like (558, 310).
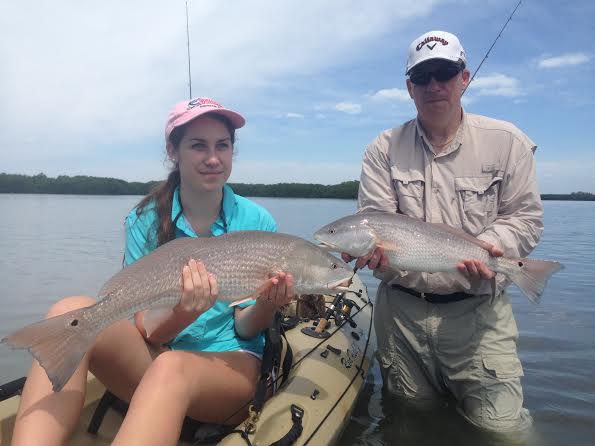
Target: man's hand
(375, 259)
(476, 269)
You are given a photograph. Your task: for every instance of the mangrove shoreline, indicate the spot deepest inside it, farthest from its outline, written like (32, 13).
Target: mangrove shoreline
(86, 185)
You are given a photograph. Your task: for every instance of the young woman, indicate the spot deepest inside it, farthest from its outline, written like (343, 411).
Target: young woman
(202, 359)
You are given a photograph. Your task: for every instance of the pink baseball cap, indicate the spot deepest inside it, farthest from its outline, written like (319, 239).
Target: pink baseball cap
(185, 111)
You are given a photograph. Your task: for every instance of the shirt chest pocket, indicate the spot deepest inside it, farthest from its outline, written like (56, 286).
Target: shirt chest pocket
(478, 201)
(409, 187)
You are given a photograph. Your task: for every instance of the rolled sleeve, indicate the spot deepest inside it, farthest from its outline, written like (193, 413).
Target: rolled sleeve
(268, 223)
(519, 223)
(376, 191)
(137, 244)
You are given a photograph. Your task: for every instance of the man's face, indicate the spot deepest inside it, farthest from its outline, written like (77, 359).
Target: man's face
(436, 86)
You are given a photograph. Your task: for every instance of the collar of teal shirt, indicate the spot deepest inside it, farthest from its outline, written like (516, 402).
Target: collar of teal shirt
(220, 226)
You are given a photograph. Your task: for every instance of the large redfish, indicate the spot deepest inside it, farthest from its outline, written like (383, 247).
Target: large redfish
(241, 262)
(415, 245)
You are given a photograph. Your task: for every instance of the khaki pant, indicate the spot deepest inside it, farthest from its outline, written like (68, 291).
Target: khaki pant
(466, 349)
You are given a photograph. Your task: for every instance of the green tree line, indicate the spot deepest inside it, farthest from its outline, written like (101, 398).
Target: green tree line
(86, 185)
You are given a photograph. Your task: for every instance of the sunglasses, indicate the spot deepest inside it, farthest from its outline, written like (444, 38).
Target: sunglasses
(442, 74)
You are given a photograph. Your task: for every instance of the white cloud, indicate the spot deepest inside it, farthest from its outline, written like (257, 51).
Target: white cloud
(397, 94)
(85, 75)
(348, 107)
(564, 60)
(294, 115)
(496, 84)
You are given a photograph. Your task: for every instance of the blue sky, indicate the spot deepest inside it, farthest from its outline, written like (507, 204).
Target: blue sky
(86, 86)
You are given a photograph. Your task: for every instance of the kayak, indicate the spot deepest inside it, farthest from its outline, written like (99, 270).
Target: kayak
(312, 406)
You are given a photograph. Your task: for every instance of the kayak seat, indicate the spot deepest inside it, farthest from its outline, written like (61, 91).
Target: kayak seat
(190, 427)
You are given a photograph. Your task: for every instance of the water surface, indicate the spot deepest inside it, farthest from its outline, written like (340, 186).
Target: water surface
(57, 245)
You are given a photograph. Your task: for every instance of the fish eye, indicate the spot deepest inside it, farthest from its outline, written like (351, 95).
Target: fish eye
(521, 264)
(334, 266)
(332, 230)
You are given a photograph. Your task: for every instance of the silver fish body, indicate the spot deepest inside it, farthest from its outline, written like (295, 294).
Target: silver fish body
(241, 262)
(415, 245)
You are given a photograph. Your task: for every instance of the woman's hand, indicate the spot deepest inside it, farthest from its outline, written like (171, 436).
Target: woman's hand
(199, 291)
(278, 290)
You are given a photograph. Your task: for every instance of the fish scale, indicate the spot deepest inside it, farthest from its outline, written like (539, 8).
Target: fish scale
(422, 248)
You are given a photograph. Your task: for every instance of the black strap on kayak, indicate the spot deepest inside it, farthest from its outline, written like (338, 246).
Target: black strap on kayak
(271, 360)
(297, 415)
(106, 401)
(216, 438)
(270, 366)
(12, 388)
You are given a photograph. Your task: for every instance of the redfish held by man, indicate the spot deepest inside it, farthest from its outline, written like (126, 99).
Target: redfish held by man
(415, 245)
(241, 262)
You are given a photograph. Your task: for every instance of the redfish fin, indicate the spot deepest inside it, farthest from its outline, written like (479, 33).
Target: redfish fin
(58, 344)
(532, 276)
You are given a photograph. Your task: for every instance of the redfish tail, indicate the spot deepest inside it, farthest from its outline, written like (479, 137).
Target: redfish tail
(532, 276)
(58, 344)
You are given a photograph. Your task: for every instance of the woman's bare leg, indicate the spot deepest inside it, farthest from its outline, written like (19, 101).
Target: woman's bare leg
(47, 417)
(120, 357)
(209, 387)
(44, 416)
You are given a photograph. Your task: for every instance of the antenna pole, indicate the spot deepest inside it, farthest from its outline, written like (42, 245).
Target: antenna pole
(188, 49)
(493, 43)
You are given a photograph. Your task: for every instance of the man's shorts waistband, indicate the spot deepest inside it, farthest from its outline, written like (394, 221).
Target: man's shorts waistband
(434, 298)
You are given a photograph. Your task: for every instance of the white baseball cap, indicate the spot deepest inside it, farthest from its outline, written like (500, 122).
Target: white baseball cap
(435, 45)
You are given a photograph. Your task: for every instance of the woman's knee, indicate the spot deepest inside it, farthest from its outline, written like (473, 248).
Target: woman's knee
(68, 304)
(170, 370)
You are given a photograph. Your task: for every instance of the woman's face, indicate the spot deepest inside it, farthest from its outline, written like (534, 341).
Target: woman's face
(204, 155)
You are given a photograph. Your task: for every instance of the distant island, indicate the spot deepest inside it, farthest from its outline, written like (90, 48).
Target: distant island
(85, 185)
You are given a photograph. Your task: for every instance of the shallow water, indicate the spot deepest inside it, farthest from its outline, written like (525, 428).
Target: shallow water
(55, 245)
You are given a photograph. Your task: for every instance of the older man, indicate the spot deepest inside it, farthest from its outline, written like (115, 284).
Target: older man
(436, 334)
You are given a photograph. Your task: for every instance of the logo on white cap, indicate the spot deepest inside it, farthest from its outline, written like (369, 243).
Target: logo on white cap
(431, 46)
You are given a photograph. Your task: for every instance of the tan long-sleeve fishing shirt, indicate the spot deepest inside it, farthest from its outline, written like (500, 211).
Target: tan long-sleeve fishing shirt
(483, 183)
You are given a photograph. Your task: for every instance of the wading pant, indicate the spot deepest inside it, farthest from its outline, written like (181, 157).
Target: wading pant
(466, 349)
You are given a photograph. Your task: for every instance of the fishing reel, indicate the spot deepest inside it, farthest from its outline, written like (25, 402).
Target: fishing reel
(339, 310)
(344, 312)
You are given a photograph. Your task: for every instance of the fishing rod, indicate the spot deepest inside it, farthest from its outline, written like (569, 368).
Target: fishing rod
(188, 49)
(493, 43)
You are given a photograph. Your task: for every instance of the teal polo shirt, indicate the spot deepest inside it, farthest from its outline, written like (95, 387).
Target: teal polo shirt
(212, 331)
